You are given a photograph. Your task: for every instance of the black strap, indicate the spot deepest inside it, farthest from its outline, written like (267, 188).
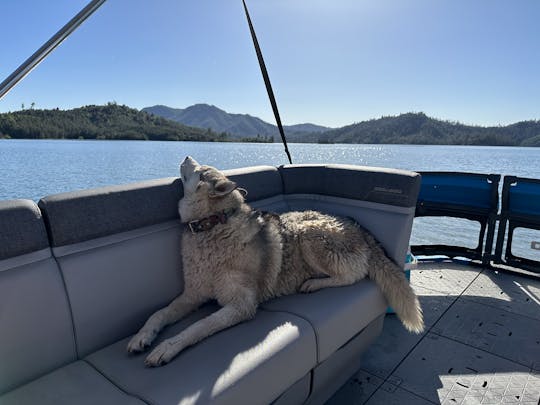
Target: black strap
(267, 82)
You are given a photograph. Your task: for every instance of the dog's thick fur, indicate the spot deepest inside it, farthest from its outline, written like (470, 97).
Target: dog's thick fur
(254, 257)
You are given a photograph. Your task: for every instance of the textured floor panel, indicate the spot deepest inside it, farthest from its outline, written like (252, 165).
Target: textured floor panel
(441, 369)
(357, 390)
(445, 277)
(389, 394)
(492, 389)
(389, 349)
(433, 303)
(510, 292)
(499, 332)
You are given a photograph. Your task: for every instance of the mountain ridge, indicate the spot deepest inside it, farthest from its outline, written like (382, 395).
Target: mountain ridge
(407, 128)
(236, 125)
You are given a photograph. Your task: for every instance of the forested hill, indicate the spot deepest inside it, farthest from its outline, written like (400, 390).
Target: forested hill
(113, 121)
(417, 128)
(110, 121)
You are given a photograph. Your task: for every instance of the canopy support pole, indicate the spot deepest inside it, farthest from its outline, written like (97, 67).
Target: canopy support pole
(38, 56)
(267, 82)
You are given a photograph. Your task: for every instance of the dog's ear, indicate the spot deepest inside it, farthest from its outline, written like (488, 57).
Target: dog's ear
(222, 188)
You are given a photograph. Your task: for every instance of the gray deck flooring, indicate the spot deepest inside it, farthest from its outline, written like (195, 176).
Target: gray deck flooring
(481, 345)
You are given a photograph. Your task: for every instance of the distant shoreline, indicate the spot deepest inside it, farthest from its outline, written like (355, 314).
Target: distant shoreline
(276, 143)
(209, 124)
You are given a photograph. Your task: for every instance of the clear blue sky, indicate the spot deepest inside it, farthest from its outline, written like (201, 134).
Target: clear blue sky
(331, 62)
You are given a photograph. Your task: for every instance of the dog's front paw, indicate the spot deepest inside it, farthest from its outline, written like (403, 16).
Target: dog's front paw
(140, 342)
(310, 285)
(161, 355)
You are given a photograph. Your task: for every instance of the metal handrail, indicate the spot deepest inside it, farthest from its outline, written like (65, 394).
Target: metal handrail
(38, 56)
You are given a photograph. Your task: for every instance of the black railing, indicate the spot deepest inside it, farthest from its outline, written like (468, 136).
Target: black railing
(476, 197)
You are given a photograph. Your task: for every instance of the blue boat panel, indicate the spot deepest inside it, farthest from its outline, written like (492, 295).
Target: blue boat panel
(525, 198)
(473, 190)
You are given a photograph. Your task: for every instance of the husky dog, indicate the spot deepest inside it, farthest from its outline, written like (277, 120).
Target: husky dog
(242, 257)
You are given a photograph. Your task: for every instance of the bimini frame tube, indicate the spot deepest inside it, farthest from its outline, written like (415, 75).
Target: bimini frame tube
(267, 83)
(48, 47)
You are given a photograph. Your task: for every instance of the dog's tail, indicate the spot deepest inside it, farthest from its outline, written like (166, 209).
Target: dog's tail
(397, 291)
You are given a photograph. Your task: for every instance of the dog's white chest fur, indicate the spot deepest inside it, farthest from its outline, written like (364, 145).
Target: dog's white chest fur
(215, 262)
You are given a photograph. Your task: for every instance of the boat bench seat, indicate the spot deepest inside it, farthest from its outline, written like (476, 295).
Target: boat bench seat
(81, 272)
(37, 343)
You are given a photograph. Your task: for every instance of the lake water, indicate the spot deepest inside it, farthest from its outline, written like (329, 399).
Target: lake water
(35, 168)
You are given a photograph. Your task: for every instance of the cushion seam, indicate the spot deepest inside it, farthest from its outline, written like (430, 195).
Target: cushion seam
(383, 315)
(70, 308)
(117, 386)
(55, 249)
(18, 265)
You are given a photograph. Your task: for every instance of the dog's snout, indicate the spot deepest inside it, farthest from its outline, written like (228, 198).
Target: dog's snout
(188, 166)
(189, 161)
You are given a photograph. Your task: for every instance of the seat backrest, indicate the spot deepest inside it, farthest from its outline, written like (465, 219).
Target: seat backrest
(264, 186)
(36, 331)
(381, 200)
(118, 249)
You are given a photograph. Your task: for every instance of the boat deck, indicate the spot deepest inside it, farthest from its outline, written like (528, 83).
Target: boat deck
(481, 344)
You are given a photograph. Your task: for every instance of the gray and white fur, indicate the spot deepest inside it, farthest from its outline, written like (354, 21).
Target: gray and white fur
(254, 257)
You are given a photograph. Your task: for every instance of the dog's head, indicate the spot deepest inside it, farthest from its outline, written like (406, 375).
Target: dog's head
(207, 191)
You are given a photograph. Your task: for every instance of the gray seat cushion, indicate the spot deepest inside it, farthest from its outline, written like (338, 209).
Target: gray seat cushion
(36, 332)
(21, 228)
(336, 314)
(378, 185)
(83, 215)
(259, 181)
(115, 283)
(77, 383)
(253, 362)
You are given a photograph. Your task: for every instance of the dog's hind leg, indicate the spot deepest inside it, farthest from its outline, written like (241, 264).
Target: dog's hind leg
(242, 307)
(314, 284)
(176, 310)
(341, 265)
